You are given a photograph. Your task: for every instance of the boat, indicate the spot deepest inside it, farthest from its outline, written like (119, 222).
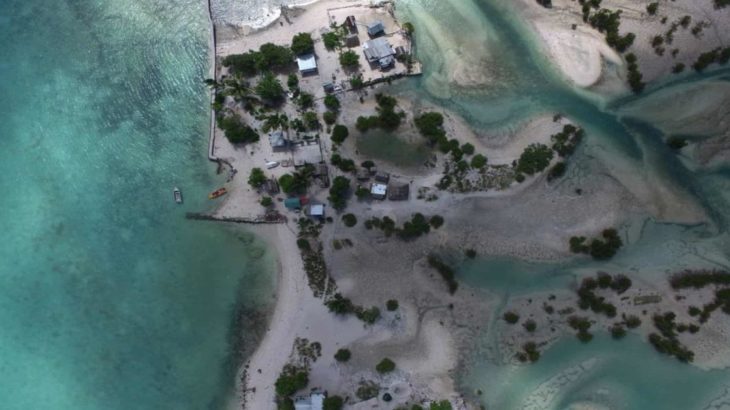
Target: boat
(217, 193)
(177, 194)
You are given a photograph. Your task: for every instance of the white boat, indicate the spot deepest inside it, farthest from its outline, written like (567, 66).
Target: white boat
(177, 194)
(272, 164)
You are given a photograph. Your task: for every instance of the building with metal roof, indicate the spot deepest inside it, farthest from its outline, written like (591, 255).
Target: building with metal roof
(378, 191)
(278, 141)
(307, 63)
(379, 51)
(376, 28)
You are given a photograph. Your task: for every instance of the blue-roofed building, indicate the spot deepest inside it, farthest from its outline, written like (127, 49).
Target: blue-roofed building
(376, 28)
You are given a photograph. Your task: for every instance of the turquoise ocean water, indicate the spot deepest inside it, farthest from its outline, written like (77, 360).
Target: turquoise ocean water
(109, 298)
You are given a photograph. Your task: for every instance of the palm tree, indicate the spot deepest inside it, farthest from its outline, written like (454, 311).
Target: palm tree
(274, 122)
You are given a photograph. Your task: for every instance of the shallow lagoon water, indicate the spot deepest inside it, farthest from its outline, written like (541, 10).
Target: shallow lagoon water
(519, 83)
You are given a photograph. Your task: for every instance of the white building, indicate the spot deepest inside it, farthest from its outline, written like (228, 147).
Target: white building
(307, 63)
(315, 401)
(378, 191)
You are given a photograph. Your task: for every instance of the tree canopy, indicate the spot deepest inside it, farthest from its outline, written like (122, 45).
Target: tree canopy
(349, 59)
(269, 88)
(235, 130)
(302, 43)
(535, 158)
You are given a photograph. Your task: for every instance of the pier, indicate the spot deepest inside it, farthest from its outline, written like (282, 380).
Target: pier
(270, 218)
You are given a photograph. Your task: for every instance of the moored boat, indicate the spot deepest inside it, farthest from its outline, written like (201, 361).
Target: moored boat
(177, 194)
(217, 193)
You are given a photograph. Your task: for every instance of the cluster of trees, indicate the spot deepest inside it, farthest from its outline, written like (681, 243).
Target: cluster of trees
(566, 141)
(609, 22)
(235, 129)
(341, 305)
(291, 380)
(269, 88)
(666, 340)
(297, 182)
(529, 353)
(599, 249)
(339, 134)
(349, 60)
(447, 272)
(718, 55)
(331, 40)
(349, 220)
(256, 178)
(635, 77)
(344, 164)
(339, 191)
(387, 117)
(581, 324)
(268, 57)
(534, 159)
(302, 43)
(417, 226)
(587, 298)
(699, 279)
(430, 125)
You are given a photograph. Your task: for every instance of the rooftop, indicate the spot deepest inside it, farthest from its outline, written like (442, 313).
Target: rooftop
(314, 402)
(277, 140)
(376, 27)
(377, 189)
(307, 63)
(377, 49)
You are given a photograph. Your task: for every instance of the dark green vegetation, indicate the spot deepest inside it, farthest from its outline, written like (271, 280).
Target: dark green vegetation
(534, 159)
(349, 220)
(511, 317)
(581, 324)
(332, 403)
(385, 366)
(430, 125)
(529, 353)
(617, 331)
(700, 279)
(235, 130)
(599, 249)
(635, 77)
(341, 305)
(331, 40)
(652, 8)
(344, 164)
(269, 88)
(608, 22)
(269, 57)
(588, 299)
(529, 325)
(387, 118)
(302, 43)
(418, 225)
(339, 192)
(391, 305)
(566, 141)
(331, 102)
(256, 178)
(349, 59)
(718, 55)
(297, 182)
(666, 340)
(291, 380)
(556, 171)
(313, 257)
(339, 134)
(342, 355)
(447, 273)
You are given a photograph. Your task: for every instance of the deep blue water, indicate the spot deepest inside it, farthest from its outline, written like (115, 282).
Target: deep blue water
(110, 298)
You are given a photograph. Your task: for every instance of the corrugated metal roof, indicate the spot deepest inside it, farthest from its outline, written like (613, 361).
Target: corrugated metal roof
(307, 62)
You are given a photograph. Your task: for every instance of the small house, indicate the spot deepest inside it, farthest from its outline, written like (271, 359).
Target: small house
(376, 28)
(352, 40)
(315, 401)
(293, 203)
(351, 24)
(383, 177)
(316, 211)
(278, 141)
(379, 52)
(398, 192)
(378, 191)
(307, 63)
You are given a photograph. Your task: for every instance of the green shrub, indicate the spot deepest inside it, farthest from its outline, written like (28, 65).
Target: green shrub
(339, 134)
(385, 366)
(331, 40)
(368, 316)
(292, 81)
(652, 8)
(446, 272)
(535, 158)
(329, 117)
(256, 178)
(478, 161)
(617, 331)
(235, 130)
(342, 355)
(267, 201)
(470, 253)
(529, 325)
(557, 171)
(290, 380)
(436, 221)
(269, 88)
(349, 220)
(331, 102)
(430, 125)
(302, 43)
(349, 59)
(676, 143)
(467, 149)
(391, 305)
(303, 244)
(511, 317)
(332, 403)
